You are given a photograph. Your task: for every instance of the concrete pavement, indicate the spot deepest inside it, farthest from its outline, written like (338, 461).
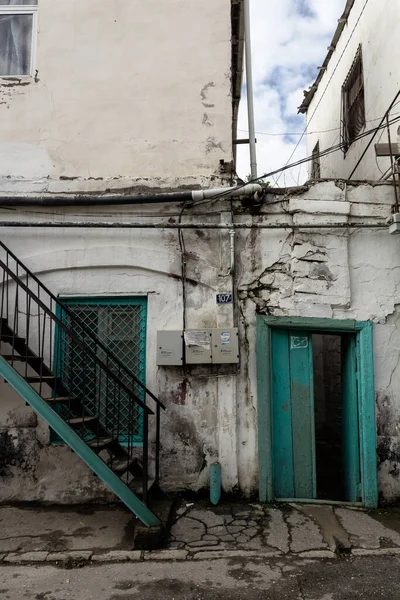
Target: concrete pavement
(290, 578)
(199, 532)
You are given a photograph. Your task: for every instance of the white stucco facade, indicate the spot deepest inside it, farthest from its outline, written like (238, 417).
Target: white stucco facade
(122, 89)
(340, 273)
(376, 28)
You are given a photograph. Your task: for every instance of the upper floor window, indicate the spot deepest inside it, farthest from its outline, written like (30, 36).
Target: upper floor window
(17, 27)
(353, 102)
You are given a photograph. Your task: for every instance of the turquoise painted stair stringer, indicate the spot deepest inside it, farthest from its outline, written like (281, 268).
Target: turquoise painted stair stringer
(77, 445)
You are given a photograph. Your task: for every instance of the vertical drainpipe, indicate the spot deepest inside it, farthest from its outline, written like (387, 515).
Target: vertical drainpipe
(249, 86)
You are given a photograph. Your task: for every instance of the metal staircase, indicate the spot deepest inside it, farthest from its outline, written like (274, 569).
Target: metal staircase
(72, 379)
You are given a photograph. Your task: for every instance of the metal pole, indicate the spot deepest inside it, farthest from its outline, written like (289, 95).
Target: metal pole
(249, 86)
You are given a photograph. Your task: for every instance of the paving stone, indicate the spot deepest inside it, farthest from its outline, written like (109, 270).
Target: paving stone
(227, 538)
(305, 533)
(166, 555)
(181, 511)
(250, 531)
(176, 545)
(207, 517)
(317, 554)
(118, 556)
(375, 551)
(215, 554)
(240, 522)
(228, 519)
(245, 513)
(26, 557)
(217, 531)
(277, 535)
(234, 529)
(56, 556)
(242, 539)
(2, 556)
(210, 538)
(364, 531)
(203, 544)
(188, 530)
(80, 554)
(252, 523)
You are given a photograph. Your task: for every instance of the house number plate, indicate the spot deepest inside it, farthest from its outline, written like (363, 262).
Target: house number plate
(224, 298)
(298, 342)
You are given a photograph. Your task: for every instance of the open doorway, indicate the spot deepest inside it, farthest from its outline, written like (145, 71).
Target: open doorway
(328, 396)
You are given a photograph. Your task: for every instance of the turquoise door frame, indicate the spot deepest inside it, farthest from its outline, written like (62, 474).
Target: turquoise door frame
(365, 392)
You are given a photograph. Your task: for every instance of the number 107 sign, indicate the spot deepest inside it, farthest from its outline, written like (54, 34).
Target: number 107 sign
(224, 298)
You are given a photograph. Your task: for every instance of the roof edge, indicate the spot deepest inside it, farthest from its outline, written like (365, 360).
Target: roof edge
(342, 22)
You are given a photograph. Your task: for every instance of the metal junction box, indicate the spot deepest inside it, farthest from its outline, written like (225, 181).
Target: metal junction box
(169, 348)
(198, 346)
(225, 346)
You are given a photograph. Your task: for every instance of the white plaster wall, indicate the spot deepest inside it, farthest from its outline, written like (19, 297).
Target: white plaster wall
(378, 31)
(212, 411)
(124, 89)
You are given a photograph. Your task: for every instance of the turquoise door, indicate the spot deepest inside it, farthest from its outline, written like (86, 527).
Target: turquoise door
(350, 421)
(293, 439)
(120, 324)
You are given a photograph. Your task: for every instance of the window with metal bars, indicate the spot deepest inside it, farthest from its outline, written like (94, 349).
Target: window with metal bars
(120, 324)
(353, 102)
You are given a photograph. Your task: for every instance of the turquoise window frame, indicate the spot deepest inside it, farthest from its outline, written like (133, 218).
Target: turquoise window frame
(106, 301)
(363, 331)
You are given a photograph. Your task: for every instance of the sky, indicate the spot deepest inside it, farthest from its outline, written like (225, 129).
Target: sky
(290, 39)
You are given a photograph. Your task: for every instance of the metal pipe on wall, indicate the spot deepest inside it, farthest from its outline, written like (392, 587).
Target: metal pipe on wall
(249, 87)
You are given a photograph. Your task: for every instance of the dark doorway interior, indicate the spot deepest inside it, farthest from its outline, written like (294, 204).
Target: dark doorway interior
(327, 358)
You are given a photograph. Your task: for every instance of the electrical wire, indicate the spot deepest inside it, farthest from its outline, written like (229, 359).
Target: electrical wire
(327, 85)
(313, 132)
(321, 154)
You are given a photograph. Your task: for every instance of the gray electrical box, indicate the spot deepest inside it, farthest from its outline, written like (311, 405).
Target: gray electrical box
(169, 348)
(225, 346)
(198, 346)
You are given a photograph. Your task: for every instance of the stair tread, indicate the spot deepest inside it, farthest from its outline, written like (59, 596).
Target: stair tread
(39, 378)
(60, 399)
(121, 464)
(99, 442)
(14, 357)
(81, 420)
(136, 485)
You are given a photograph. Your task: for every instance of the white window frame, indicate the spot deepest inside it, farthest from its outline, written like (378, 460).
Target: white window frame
(27, 9)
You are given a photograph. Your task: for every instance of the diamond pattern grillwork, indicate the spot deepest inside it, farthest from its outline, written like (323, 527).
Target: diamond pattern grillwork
(121, 327)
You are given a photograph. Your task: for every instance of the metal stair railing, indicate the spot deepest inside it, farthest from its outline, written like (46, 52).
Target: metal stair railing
(42, 330)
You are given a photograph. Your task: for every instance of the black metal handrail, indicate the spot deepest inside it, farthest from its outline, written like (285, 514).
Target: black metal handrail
(101, 391)
(75, 338)
(88, 333)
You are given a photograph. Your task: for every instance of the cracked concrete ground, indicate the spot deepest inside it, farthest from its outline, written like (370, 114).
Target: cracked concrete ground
(200, 531)
(58, 529)
(294, 528)
(370, 578)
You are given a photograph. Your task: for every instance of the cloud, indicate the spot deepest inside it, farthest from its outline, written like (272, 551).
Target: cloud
(289, 42)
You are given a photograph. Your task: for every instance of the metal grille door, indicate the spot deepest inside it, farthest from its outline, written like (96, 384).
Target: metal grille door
(120, 324)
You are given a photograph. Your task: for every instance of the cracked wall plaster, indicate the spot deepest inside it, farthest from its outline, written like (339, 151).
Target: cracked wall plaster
(212, 411)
